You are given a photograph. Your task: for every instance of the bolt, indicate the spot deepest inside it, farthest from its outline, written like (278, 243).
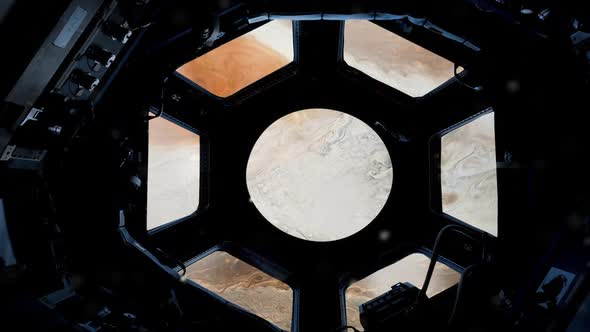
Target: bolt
(55, 130)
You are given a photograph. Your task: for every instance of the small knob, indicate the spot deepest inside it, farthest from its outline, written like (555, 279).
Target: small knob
(100, 55)
(119, 33)
(55, 130)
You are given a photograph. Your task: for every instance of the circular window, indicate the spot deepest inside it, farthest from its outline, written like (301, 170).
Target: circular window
(319, 174)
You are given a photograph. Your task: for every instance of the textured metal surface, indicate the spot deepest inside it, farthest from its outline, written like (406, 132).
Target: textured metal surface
(49, 57)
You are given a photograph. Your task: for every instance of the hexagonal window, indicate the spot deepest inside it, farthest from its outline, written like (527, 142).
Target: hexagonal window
(468, 174)
(240, 62)
(393, 60)
(173, 172)
(319, 174)
(410, 269)
(244, 285)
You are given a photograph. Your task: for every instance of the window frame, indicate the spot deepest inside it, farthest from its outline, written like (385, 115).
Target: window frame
(417, 38)
(253, 259)
(287, 71)
(203, 203)
(435, 151)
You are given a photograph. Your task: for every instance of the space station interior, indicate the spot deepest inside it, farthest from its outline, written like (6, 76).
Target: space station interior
(295, 165)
